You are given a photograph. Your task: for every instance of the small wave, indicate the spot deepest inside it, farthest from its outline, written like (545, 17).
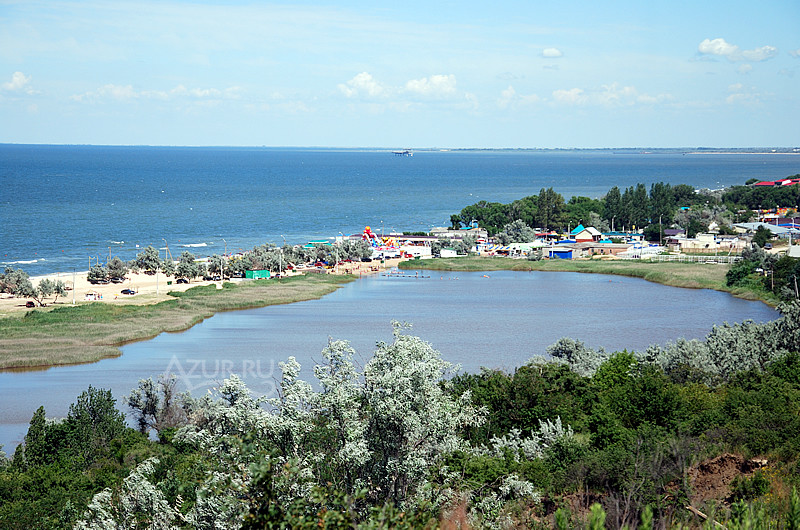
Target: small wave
(22, 262)
(117, 242)
(192, 245)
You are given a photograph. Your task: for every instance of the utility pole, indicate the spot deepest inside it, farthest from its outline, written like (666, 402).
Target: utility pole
(280, 263)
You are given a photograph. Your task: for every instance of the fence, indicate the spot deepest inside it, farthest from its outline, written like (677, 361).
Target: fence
(695, 259)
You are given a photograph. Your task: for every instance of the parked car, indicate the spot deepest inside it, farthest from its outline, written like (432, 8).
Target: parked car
(181, 280)
(29, 304)
(128, 291)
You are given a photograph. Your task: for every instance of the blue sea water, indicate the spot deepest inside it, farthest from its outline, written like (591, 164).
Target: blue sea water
(63, 206)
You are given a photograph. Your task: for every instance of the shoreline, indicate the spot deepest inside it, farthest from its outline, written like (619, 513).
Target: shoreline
(63, 334)
(45, 339)
(671, 274)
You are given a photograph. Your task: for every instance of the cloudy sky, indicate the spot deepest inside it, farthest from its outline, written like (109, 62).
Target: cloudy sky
(401, 74)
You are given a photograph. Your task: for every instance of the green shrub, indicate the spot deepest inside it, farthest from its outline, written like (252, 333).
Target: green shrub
(748, 488)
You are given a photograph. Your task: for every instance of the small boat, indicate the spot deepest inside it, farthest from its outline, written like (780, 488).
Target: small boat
(404, 152)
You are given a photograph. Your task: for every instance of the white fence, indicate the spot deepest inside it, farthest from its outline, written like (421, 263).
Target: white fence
(695, 259)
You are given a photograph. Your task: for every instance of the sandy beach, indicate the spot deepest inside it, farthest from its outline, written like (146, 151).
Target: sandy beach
(149, 289)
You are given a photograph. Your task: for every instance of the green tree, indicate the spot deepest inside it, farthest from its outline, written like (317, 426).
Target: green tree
(550, 209)
(516, 232)
(612, 207)
(581, 210)
(168, 267)
(45, 288)
(97, 273)
(762, 236)
(59, 289)
(412, 420)
(524, 210)
(91, 424)
(156, 406)
(35, 446)
(654, 232)
(696, 226)
(640, 206)
(662, 202)
(148, 260)
(187, 267)
(11, 280)
(684, 195)
(490, 215)
(117, 268)
(216, 264)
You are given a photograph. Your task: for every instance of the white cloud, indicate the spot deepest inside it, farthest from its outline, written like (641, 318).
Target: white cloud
(506, 97)
(717, 47)
(128, 93)
(611, 95)
(510, 98)
(743, 98)
(362, 84)
(795, 53)
(573, 96)
(202, 93)
(471, 101)
(740, 94)
(433, 86)
(760, 54)
(745, 68)
(19, 83)
(732, 52)
(551, 53)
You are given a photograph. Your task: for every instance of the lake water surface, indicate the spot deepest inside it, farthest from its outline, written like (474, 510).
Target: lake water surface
(496, 319)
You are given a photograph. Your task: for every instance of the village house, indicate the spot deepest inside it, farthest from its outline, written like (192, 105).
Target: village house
(586, 235)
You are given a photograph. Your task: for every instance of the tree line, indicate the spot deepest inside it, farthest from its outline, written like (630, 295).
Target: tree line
(635, 207)
(17, 282)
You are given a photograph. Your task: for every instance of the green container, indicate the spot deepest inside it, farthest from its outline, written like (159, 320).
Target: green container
(169, 282)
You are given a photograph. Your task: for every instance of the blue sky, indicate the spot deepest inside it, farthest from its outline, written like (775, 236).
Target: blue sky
(410, 74)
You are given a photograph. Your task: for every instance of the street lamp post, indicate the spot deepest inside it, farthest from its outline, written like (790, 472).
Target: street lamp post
(280, 257)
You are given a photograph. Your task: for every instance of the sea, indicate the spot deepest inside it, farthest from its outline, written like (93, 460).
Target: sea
(64, 208)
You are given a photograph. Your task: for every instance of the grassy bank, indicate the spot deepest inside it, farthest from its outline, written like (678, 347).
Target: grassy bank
(92, 331)
(688, 275)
